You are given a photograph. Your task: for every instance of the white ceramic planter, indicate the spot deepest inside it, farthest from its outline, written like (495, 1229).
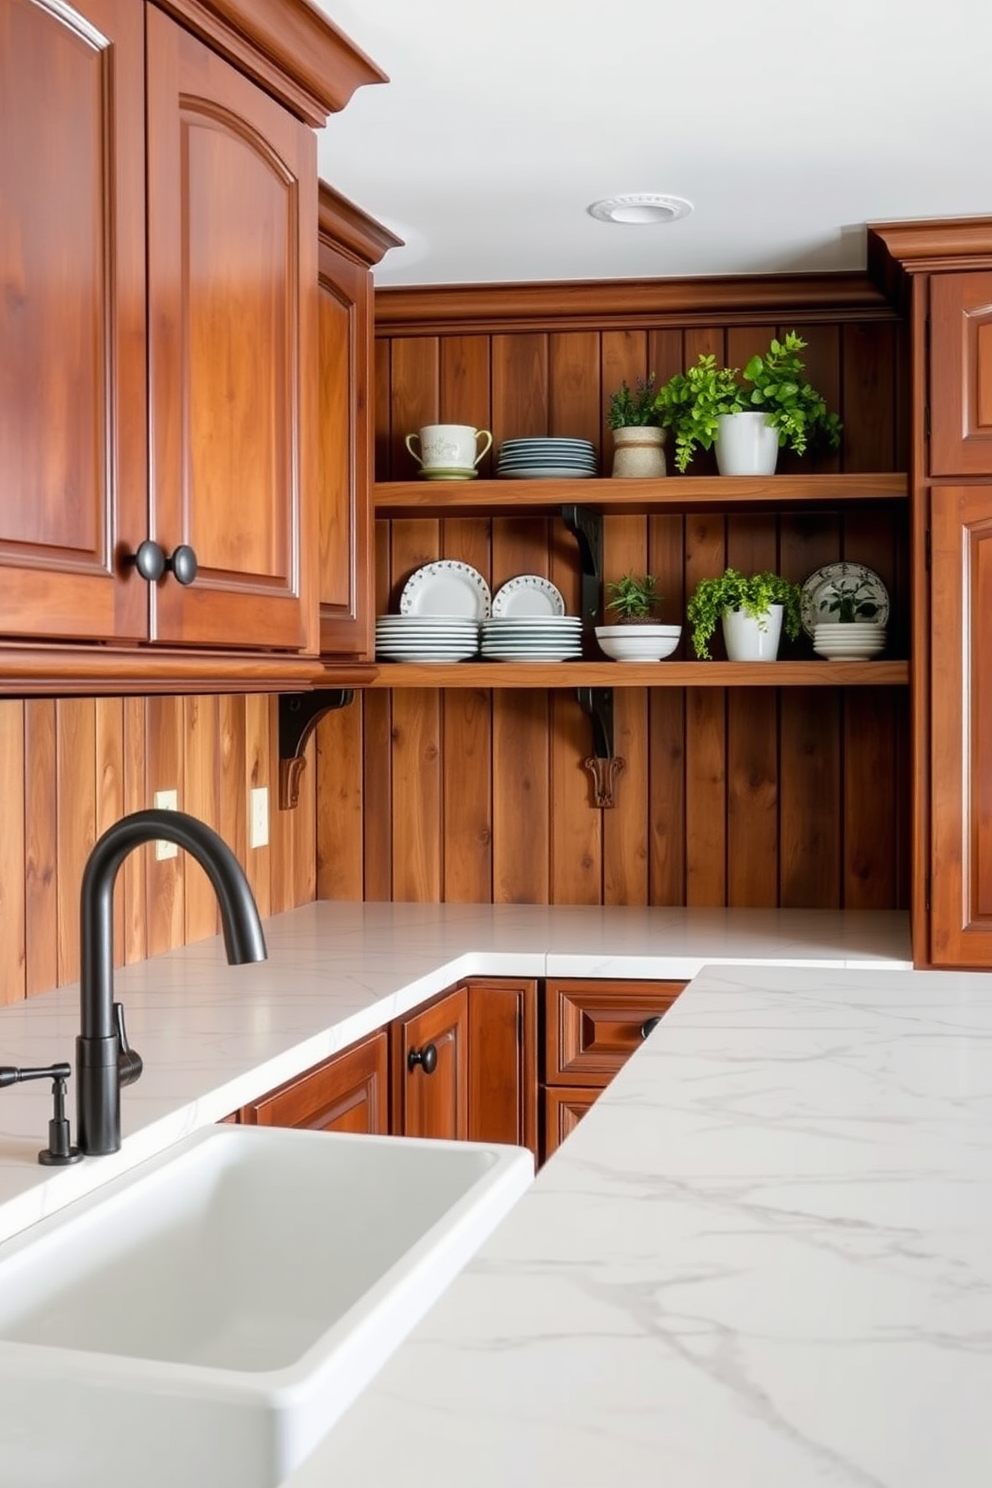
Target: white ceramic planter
(638, 453)
(752, 637)
(746, 444)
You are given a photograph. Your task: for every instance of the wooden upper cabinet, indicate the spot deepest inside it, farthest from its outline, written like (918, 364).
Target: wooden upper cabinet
(961, 727)
(158, 317)
(232, 244)
(73, 484)
(961, 374)
(349, 244)
(430, 1069)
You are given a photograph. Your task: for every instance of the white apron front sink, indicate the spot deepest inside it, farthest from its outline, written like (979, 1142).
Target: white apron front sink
(206, 1318)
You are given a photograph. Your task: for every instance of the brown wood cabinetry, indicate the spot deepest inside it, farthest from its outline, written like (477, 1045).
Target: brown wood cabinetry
(502, 1062)
(158, 328)
(349, 244)
(942, 273)
(232, 264)
(348, 1092)
(430, 1069)
(591, 1028)
(961, 374)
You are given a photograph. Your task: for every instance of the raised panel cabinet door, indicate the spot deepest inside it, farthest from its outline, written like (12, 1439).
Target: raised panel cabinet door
(591, 1028)
(73, 481)
(344, 454)
(347, 1093)
(961, 727)
(502, 1062)
(232, 285)
(430, 1070)
(562, 1112)
(961, 374)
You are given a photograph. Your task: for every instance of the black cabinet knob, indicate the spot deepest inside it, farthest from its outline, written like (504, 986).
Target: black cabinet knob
(649, 1025)
(425, 1057)
(151, 562)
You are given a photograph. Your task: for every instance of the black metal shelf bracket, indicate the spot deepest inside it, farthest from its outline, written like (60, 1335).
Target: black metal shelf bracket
(603, 764)
(587, 528)
(299, 715)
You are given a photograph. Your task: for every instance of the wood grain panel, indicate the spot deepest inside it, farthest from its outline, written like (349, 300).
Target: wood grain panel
(232, 725)
(76, 746)
(378, 794)
(575, 396)
(416, 796)
(109, 741)
(465, 391)
(823, 369)
(414, 399)
(468, 797)
(810, 807)
(166, 879)
(41, 911)
(12, 854)
(576, 825)
(257, 774)
(339, 804)
(521, 403)
(136, 798)
(521, 798)
(201, 799)
(868, 369)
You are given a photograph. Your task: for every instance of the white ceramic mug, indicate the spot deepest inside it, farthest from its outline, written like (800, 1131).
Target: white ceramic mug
(449, 446)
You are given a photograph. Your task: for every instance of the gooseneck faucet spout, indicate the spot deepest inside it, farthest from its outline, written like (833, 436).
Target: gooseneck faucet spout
(103, 1060)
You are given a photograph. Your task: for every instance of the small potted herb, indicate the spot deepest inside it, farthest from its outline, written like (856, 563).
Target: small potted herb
(636, 636)
(637, 437)
(753, 611)
(747, 414)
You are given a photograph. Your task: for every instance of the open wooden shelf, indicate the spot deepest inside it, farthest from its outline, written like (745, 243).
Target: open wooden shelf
(429, 498)
(644, 674)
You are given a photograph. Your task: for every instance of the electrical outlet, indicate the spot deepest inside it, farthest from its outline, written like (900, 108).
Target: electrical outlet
(258, 834)
(167, 800)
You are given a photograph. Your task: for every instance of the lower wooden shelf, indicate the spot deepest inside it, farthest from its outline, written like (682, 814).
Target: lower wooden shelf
(646, 674)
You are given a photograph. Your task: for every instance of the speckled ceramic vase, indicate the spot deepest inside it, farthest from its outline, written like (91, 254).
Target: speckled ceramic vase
(638, 453)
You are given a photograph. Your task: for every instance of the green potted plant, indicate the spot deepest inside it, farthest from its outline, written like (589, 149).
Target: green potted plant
(636, 636)
(753, 611)
(748, 414)
(637, 435)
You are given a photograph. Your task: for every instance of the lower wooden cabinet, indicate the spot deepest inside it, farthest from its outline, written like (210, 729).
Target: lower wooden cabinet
(471, 1064)
(591, 1028)
(430, 1069)
(561, 1111)
(348, 1092)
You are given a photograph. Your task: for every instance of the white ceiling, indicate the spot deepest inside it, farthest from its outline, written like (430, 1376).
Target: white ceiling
(788, 124)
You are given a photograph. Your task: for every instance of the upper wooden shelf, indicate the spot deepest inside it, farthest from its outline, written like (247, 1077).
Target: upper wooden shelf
(426, 498)
(644, 674)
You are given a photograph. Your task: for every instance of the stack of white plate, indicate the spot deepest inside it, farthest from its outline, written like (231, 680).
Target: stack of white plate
(540, 458)
(532, 638)
(839, 642)
(425, 637)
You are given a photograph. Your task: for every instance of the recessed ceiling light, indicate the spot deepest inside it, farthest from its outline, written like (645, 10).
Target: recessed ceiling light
(640, 209)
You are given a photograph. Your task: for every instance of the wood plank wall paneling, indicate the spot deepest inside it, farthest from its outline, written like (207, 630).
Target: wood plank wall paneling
(737, 796)
(72, 767)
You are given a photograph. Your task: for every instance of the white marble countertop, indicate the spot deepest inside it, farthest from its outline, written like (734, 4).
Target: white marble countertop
(214, 1037)
(763, 1258)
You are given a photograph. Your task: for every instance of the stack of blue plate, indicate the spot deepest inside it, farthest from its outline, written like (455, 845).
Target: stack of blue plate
(539, 458)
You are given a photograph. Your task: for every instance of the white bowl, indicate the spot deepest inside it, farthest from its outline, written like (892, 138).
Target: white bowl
(638, 642)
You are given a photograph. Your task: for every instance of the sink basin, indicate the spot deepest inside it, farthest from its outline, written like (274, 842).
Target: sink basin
(207, 1318)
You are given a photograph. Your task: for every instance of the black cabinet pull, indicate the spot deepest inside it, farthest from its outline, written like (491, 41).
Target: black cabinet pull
(425, 1057)
(649, 1025)
(151, 562)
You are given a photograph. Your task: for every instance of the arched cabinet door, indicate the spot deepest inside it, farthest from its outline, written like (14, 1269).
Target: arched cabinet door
(73, 483)
(232, 285)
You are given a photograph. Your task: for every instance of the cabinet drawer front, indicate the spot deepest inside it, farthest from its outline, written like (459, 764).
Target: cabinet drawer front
(348, 1093)
(592, 1028)
(561, 1112)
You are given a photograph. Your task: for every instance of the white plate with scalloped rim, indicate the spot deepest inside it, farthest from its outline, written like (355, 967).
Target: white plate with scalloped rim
(447, 587)
(528, 594)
